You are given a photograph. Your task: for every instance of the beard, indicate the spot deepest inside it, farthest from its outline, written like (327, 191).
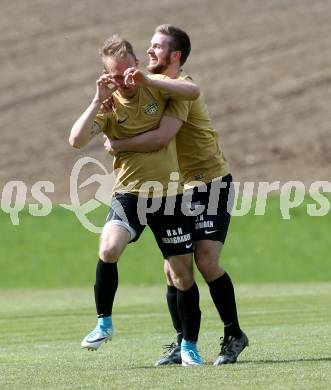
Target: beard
(159, 68)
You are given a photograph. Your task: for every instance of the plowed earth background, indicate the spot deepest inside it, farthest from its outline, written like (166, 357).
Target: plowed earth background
(263, 66)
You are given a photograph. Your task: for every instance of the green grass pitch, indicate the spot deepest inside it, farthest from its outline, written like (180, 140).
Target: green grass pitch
(289, 327)
(282, 275)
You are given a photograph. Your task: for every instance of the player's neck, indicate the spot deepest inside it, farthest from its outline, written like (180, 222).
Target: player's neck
(172, 71)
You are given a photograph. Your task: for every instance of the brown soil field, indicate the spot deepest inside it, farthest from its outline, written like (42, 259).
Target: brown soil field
(264, 67)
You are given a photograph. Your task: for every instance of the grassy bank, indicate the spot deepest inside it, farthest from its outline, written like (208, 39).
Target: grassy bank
(55, 250)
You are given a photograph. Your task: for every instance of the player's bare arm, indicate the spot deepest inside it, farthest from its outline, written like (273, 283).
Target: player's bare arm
(84, 129)
(178, 89)
(150, 141)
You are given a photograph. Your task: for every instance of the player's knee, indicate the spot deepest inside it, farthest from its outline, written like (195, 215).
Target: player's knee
(206, 257)
(209, 268)
(204, 264)
(109, 253)
(183, 284)
(182, 279)
(167, 271)
(181, 268)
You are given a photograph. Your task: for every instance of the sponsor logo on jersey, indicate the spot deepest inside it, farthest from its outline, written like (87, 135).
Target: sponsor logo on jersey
(151, 108)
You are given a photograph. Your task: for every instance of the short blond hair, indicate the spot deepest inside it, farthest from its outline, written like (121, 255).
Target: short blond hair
(117, 47)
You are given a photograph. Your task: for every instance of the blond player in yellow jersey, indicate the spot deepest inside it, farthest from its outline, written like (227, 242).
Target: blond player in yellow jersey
(200, 159)
(138, 103)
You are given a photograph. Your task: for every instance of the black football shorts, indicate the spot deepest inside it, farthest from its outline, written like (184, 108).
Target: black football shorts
(171, 228)
(213, 222)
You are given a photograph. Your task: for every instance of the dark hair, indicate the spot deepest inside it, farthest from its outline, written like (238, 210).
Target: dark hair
(117, 47)
(180, 41)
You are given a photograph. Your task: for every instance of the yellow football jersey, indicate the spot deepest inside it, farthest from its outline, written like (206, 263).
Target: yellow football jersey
(199, 155)
(130, 117)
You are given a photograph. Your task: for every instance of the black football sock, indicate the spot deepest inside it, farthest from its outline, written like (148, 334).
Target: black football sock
(105, 287)
(189, 311)
(224, 299)
(173, 310)
(179, 337)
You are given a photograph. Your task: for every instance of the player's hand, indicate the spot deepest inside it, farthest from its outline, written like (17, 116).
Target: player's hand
(107, 106)
(134, 77)
(105, 87)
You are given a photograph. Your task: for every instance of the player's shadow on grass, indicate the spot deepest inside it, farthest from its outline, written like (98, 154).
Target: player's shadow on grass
(272, 361)
(265, 361)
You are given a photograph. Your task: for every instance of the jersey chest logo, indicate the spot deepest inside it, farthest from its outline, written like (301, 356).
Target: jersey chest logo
(151, 108)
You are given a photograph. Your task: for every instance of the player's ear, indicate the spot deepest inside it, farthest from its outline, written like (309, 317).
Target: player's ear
(175, 55)
(137, 62)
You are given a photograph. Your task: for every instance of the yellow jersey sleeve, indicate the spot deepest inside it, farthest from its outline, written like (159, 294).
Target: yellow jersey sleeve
(166, 94)
(101, 120)
(178, 109)
(104, 122)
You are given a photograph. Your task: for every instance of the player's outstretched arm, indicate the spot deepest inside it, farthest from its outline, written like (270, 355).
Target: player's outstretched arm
(177, 89)
(84, 129)
(150, 141)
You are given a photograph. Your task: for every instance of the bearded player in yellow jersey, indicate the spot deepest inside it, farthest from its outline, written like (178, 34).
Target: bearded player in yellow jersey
(138, 103)
(200, 159)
